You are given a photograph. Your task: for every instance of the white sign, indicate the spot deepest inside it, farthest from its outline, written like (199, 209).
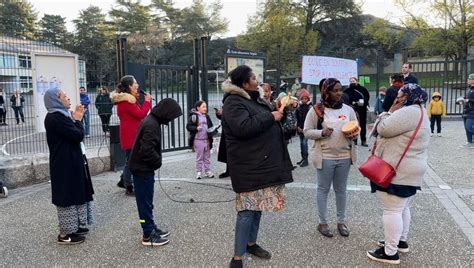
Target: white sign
(50, 71)
(315, 68)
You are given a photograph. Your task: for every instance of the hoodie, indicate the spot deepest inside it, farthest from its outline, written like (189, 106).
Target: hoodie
(145, 157)
(436, 107)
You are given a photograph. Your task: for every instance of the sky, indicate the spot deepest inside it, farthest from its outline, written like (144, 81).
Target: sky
(236, 11)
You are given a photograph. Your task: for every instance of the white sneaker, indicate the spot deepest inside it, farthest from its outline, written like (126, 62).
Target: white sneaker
(431, 135)
(209, 174)
(439, 135)
(468, 145)
(4, 192)
(199, 175)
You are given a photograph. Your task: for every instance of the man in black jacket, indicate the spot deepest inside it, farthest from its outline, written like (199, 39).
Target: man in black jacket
(408, 78)
(359, 97)
(144, 159)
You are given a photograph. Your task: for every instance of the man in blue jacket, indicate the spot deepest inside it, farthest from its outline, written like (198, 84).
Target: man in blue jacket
(85, 101)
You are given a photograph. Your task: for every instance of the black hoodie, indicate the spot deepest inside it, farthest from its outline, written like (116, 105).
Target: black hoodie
(145, 157)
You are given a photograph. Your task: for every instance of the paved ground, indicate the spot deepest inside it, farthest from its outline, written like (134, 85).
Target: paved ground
(202, 234)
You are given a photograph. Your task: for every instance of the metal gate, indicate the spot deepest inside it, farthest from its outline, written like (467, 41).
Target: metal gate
(446, 77)
(165, 81)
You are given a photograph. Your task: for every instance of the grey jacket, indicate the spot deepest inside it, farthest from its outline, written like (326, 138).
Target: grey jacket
(394, 132)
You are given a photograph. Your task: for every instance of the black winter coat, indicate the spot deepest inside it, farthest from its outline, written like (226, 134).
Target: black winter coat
(257, 157)
(301, 113)
(410, 79)
(104, 104)
(70, 180)
(355, 93)
(145, 156)
(222, 153)
(468, 109)
(192, 125)
(390, 97)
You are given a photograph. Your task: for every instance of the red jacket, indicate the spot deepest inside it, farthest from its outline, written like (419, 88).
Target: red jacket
(131, 115)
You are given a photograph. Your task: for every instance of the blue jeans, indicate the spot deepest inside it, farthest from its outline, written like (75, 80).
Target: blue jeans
(304, 147)
(86, 122)
(469, 126)
(144, 190)
(333, 172)
(246, 230)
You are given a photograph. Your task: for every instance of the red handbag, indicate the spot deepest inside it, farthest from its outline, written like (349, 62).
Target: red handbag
(380, 172)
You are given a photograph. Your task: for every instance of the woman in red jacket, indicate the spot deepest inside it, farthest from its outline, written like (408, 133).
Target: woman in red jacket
(130, 113)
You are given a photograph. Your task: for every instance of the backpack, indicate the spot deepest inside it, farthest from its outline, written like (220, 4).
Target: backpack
(290, 124)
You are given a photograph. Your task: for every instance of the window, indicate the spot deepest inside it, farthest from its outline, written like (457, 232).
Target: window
(7, 61)
(24, 62)
(26, 82)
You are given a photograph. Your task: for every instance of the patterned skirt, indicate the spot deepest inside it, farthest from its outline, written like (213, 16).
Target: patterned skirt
(70, 218)
(266, 199)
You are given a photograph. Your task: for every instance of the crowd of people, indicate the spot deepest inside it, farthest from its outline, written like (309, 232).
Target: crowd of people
(256, 129)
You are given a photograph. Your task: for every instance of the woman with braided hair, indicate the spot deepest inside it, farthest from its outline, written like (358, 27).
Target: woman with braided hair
(332, 152)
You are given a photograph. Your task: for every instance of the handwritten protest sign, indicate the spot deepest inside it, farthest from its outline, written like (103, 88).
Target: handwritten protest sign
(315, 68)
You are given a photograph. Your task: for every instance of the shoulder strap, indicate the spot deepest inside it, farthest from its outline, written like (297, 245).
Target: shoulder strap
(411, 139)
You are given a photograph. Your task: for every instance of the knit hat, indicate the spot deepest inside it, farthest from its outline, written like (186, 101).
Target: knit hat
(281, 95)
(304, 93)
(471, 76)
(415, 94)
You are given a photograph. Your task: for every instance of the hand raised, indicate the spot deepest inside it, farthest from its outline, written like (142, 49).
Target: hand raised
(277, 115)
(78, 113)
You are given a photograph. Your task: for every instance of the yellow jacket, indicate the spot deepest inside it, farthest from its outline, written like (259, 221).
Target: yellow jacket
(436, 107)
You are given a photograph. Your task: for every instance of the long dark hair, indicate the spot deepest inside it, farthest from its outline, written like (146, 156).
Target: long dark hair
(198, 104)
(240, 75)
(125, 83)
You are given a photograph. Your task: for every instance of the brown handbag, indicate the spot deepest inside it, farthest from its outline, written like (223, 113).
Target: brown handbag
(380, 172)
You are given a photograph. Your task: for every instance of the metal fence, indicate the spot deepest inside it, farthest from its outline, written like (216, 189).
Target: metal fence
(23, 138)
(449, 78)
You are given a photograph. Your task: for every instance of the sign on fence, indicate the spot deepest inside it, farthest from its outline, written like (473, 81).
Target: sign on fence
(315, 68)
(54, 70)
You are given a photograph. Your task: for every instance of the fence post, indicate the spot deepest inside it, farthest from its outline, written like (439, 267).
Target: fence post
(121, 49)
(204, 91)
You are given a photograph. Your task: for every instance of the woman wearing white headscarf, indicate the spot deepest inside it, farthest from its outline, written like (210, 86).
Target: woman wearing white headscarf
(71, 186)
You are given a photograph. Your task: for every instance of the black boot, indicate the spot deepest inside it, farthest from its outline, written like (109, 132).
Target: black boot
(304, 163)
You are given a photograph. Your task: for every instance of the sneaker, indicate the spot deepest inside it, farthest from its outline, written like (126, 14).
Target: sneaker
(299, 162)
(431, 134)
(439, 135)
(468, 145)
(199, 175)
(88, 136)
(209, 174)
(379, 255)
(236, 263)
(224, 175)
(82, 231)
(256, 250)
(161, 233)
(402, 246)
(154, 240)
(4, 192)
(71, 239)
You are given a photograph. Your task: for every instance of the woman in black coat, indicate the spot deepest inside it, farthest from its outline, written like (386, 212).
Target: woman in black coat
(257, 159)
(71, 185)
(104, 106)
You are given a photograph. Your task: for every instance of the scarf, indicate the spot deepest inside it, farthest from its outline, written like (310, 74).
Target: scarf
(326, 102)
(415, 94)
(53, 103)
